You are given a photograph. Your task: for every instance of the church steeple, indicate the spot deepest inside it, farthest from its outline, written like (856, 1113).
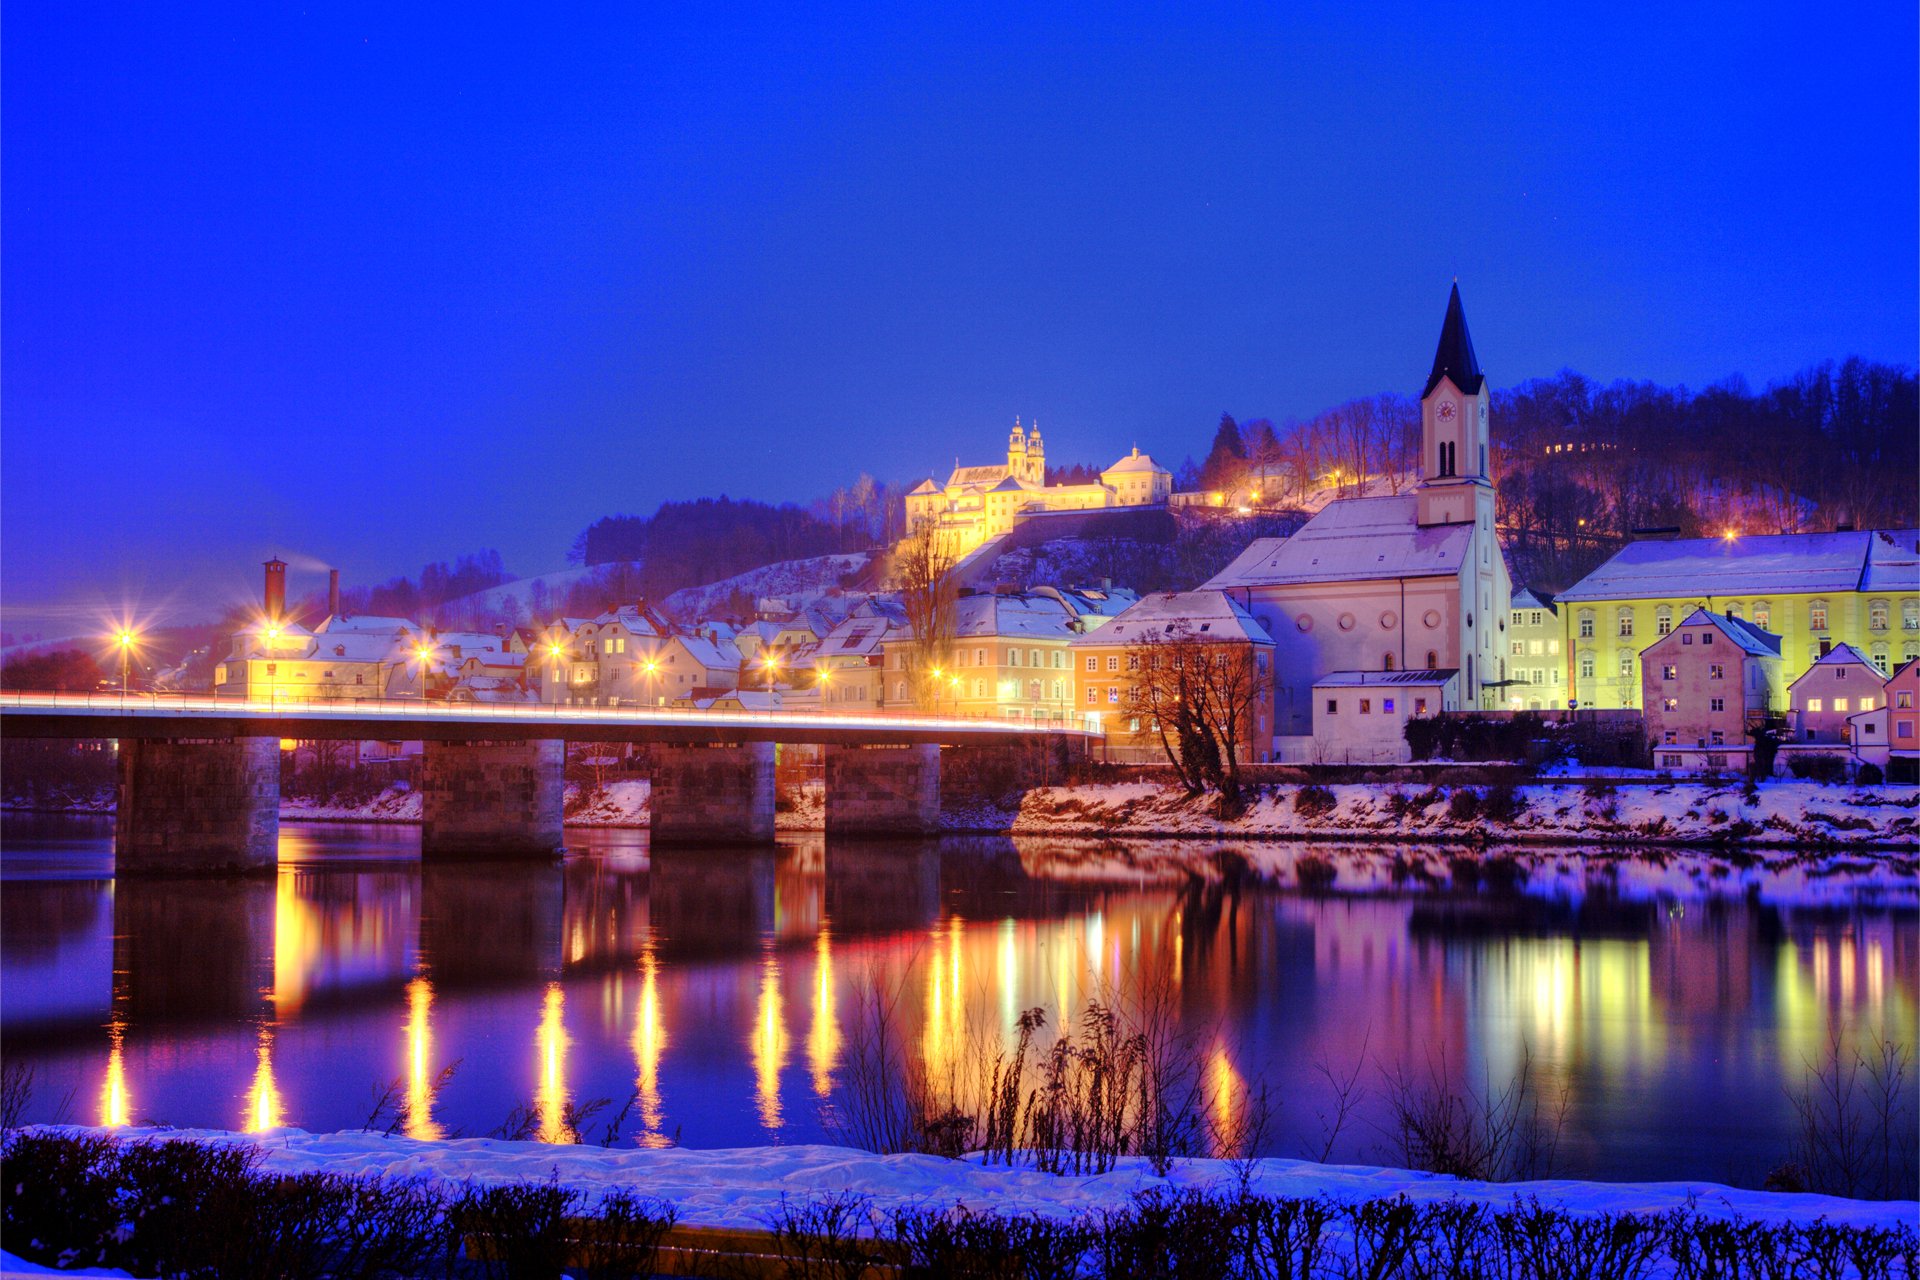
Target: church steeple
(1454, 357)
(1455, 444)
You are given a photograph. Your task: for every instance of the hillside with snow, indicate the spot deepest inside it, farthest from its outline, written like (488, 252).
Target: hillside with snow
(799, 582)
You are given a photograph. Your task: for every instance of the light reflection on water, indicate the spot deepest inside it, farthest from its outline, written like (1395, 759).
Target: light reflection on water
(717, 988)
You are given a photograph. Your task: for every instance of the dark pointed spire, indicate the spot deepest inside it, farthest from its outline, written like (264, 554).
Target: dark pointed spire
(1455, 358)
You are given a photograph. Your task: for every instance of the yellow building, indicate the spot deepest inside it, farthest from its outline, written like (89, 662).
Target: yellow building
(982, 502)
(1814, 590)
(1009, 659)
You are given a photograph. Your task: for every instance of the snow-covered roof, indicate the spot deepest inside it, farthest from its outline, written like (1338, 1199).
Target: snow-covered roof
(1841, 655)
(1012, 484)
(1353, 540)
(1755, 565)
(365, 622)
(925, 486)
(1738, 631)
(497, 659)
(977, 477)
(469, 642)
(1006, 614)
(1419, 677)
(1201, 615)
(1528, 598)
(863, 632)
(352, 646)
(1135, 461)
(1893, 561)
(721, 655)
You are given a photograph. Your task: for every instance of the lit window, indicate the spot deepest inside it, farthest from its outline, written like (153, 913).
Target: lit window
(1762, 613)
(1669, 672)
(1419, 706)
(1815, 704)
(1366, 706)
(1386, 706)
(1817, 615)
(1716, 672)
(1877, 615)
(1670, 704)
(1113, 694)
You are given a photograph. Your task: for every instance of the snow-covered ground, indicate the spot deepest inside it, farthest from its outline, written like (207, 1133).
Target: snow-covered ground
(516, 596)
(742, 1187)
(1798, 814)
(799, 582)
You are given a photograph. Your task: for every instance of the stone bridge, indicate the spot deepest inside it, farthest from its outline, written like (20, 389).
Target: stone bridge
(199, 777)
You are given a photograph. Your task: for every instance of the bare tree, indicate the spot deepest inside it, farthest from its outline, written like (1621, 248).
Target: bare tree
(923, 570)
(1197, 698)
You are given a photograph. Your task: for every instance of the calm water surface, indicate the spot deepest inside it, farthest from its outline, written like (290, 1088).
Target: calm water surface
(717, 988)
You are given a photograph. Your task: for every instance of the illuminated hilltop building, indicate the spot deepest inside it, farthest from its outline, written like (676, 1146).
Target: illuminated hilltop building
(981, 503)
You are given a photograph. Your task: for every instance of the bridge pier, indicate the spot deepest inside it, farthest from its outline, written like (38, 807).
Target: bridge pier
(492, 799)
(712, 794)
(207, 806)
(883, 791)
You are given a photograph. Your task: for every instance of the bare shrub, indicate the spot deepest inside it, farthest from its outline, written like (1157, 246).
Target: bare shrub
(1541, 1243)
(16, 1091)
(1347, 1096)
(1496, 1133)
(517, 1229)
(1854, 1131)
(826, 1237)
(991, 1246)
(1289, 1237)
(1173, 1233)
(1314, 800)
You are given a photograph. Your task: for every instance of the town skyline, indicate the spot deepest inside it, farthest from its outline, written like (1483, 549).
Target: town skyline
(607, 251)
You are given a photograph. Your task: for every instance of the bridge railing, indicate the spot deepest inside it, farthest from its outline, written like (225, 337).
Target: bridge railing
(435, 709)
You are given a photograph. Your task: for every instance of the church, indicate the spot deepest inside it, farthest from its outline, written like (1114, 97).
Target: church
(1415, 580)
(980, 503)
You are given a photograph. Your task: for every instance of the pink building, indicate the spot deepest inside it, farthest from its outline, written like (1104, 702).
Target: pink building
(1837, 686)
(1702, 685)
(1902, 692)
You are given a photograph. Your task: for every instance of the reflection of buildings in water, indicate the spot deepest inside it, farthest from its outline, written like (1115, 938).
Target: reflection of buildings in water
(649, 1044)
(878, 887)
(114, 1105)
(550, 1100)
(38, 917)
(335, 930)
(604, 913)
(489, 923)
(423, 1078)
(823, 1033)
(729, 900)
(264, 1110)
(192, 948)
(1856, 976)
(768, 1044)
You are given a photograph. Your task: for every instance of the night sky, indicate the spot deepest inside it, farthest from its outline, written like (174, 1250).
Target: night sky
(369, 289)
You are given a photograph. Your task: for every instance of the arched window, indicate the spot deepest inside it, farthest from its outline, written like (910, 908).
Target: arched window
(1388, 664)
(1433, 660)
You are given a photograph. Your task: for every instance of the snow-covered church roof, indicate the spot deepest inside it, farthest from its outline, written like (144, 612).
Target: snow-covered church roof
(1353, 540)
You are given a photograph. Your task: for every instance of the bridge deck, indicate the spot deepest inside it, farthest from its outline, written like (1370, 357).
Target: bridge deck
(142, 715)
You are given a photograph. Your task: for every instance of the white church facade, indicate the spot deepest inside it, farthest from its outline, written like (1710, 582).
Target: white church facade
(1411, 581)
(979, 503)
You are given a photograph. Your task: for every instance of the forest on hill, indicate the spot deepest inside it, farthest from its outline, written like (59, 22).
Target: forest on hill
(1579, 466)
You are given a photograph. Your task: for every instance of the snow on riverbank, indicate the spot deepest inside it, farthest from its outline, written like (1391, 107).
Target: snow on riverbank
(1797, 814)
(741, 1187)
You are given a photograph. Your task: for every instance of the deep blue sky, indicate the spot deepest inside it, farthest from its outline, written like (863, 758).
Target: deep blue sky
(371, 288)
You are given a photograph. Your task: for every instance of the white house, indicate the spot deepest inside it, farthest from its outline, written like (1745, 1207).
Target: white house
(1411, 581)
(1360, 717)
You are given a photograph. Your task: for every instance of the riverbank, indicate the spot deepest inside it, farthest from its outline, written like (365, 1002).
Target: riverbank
(1675, 813)
(743, 1187)
(1796, 815)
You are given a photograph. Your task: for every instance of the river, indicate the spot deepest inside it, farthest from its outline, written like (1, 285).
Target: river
(718, 997)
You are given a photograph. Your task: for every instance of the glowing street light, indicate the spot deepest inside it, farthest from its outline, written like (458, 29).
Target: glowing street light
(770, 664)
(559, 680)
(423, 652)
(124, 638)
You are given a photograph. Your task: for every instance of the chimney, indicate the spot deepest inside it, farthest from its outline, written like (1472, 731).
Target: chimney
(333, 593)
(276, 593)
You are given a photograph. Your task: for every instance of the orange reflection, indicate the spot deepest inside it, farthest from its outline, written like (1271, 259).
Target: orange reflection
(823, 1038)
(263, 1099)
(649, 1042)
(420, 1074)
(297, 943)
(1229, 1103)
(769, 1045)
(114, 1105)
(550, 1097)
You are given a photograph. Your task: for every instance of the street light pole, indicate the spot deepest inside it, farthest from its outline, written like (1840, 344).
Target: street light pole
(126, 645)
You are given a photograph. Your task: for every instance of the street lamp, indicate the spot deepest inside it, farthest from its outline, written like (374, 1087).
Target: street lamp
(771, 664)
(653, 670)
(125, 640)
(423, 652)
(559, 680)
